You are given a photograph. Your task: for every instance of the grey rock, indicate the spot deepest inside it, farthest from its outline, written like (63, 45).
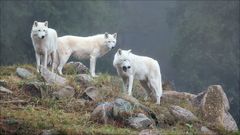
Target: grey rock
(50, 132)
(140, 122)
(5, 90)
(51, 77)
(174, 97)
(182, 114)
(213, 105)
(103, 113)
(24, 73)
(204, 130)
(149, 132)
(122, 109)
(91, 93)
(46, 132)
(3, 83)
(65, 92)
(75, 68)
(37, 89)
(229, 123)
(84, 79)
(200, 99)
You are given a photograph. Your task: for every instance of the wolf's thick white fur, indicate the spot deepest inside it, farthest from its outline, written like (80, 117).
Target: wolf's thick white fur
(91, 47)
(130, 66)
(44, 41)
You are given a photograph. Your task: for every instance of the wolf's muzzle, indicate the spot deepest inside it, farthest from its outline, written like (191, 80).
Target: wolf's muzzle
(125, 68)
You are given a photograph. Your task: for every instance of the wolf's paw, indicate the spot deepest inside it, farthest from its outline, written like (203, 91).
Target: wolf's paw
(95, 76)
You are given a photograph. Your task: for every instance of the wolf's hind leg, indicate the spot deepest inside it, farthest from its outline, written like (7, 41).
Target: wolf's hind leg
(62, 61)
(38, 61)
(53, 57)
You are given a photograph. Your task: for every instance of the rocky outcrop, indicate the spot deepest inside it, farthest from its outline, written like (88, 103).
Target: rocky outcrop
(124, 112)
(182, 114)
(24, 73)
(229, 123)
(75, 68)
(213, 106)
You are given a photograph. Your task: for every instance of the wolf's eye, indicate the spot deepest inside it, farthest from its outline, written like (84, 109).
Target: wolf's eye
(39, 30)
(109, 41)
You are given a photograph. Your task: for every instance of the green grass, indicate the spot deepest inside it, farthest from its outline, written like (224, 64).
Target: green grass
(68, 116)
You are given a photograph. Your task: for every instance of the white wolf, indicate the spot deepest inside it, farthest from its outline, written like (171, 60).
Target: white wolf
(145, 69)
(44, 41)
(90, 47)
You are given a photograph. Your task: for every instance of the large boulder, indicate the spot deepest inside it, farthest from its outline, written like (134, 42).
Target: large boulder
(51, 77)
(141, 121)
(65, 92)
(24, 73)
(214, 105)
(182, 114)
(229, 123)
(75, 68)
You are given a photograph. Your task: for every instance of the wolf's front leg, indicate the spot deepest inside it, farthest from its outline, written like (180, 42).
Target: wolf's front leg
(125, 84)
(92, 65)
(130, 84)
(45, 58)
(38, 61)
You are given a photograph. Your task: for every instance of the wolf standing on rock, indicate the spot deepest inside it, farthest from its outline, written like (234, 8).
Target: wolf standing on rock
(90, 47)
(44, 41)
(145, 69)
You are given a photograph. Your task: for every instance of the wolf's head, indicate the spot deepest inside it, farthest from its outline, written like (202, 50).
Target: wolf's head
(110, 40)
(121, 56)
(125, 65)
(40, 29)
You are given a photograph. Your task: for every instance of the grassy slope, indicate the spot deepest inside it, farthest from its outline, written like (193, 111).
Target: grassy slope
(68, 116)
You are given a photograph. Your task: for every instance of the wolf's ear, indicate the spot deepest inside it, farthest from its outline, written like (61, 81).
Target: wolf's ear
(46, 23)
(129, 51)
(35, 23)
(119, 51)
(106, 35)
(115, 35)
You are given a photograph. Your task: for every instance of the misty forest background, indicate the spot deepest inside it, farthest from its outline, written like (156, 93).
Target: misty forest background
(195, 42)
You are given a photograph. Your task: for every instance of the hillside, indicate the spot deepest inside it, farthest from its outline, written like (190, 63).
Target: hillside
(33, 103)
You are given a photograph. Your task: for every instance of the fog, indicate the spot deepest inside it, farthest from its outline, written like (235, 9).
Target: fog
(196, 43)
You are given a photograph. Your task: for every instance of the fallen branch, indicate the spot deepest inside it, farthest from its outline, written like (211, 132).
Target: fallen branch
(14, 102)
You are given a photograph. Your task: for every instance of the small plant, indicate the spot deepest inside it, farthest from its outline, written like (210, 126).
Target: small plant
(191, 130)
